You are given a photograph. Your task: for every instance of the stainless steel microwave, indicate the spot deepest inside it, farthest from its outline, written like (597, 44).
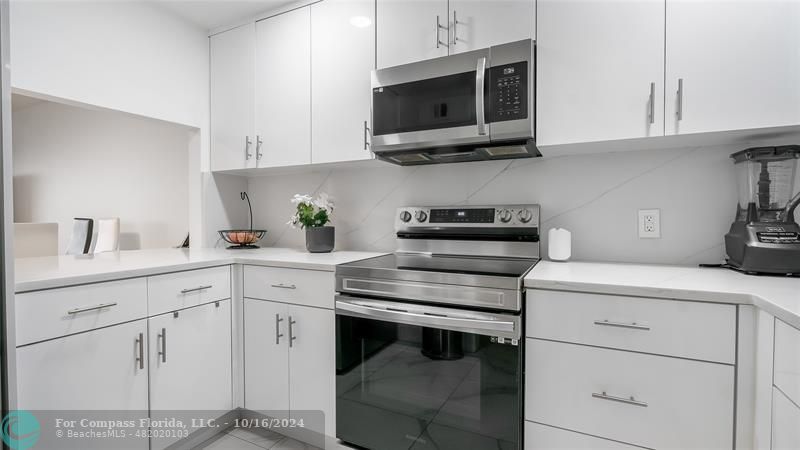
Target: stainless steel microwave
(472, 106)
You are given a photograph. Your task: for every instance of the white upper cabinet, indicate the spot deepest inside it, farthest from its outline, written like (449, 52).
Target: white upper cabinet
(283, 89)
(739, 62)
(232, 78)
(600, 70)
(411, 30)
(342, 56)
(476, 24)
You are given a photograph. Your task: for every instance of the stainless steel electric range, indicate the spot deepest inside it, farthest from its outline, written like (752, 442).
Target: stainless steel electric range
(429, 339)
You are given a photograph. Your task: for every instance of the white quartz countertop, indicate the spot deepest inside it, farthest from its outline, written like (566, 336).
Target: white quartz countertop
(58, 271)
(779, 296)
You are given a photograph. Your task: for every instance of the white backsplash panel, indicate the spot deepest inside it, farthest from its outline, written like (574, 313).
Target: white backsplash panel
(594, 196)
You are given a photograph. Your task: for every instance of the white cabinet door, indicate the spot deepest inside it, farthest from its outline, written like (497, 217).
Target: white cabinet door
(543, 437)
(283, 89)
(95, 370)
(597, 65)
(342, 56)
(476, 24)
(312, 362)
(785, 422)
(232, 78)
(190, 364)
(266, 352)
(408, 32)
(739, 62)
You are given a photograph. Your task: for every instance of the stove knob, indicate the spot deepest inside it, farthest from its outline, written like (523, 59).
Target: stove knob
(422, 216)
(505, 215)
(525, 215)
(405, 216)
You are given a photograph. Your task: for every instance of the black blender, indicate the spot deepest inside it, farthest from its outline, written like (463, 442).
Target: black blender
(765, 238)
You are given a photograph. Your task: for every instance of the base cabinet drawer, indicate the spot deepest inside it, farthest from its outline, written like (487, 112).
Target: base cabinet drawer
(646, 400)
(787, 361)
(695, 330)
(174, 291)
(785, 422)
(543, 437)
(298, 286)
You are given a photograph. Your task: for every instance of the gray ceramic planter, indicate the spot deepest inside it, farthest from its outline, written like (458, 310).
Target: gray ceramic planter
(320, 239)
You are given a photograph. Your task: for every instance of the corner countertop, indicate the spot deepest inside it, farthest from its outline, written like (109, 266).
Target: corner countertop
(50, 272)
(779, 296)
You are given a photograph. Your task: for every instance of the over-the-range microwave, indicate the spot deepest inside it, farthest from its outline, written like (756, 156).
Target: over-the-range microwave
(472, 106)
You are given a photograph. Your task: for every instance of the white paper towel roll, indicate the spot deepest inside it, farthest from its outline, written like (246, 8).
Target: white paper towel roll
(559, 246)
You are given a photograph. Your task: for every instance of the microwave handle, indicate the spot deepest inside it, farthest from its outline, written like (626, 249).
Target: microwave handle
(480, 107)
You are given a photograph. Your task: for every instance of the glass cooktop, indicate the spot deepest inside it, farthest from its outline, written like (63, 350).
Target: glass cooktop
(497, 267)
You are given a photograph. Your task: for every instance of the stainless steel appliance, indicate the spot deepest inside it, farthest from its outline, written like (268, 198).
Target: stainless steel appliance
(471, 106)
(765, 238)
(429, 339)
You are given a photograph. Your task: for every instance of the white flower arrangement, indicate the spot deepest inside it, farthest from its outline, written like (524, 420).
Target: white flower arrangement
(311, 212)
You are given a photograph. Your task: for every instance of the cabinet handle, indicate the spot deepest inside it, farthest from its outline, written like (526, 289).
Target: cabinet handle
(439, 28)
(91, 308)
(455, 28)
(630, 326)
(284, 286)
(259, 141)
(199, 288)
(480, 81)
(679, 112)
(247, 143)
(278, 334)
(140, 344)
(163, 352)
(292, 337)
(652, 112)
(628, 401)
(366, 135)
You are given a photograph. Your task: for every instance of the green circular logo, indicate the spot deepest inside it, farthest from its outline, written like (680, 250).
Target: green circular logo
(20, 430)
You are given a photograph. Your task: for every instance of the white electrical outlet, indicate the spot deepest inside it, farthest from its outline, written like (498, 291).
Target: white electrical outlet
(649, 223)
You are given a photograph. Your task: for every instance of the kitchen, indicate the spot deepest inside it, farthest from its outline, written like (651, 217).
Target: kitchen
(527, 277)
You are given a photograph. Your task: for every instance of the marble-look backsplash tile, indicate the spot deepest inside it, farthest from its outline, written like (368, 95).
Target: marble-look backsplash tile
(595, 196)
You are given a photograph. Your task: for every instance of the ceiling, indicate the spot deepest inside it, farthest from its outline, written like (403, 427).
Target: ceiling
(210, 14)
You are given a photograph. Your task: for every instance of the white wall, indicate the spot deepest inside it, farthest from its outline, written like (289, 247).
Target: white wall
(71, 162)
(595, 196)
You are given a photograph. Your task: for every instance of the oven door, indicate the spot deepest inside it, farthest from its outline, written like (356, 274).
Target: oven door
(418, 377)
(434, 103)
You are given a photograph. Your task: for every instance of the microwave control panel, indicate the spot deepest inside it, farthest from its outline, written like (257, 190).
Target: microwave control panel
(509, 93)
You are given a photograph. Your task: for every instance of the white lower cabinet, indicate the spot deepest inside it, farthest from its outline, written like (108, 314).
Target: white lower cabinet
(289, 361)
(785, 422)
(543, 437)
(190, 364)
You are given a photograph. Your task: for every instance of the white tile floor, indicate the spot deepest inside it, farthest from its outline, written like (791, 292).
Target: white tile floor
(240, 439)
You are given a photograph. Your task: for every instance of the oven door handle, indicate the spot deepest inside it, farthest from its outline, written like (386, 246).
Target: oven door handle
(488, 324)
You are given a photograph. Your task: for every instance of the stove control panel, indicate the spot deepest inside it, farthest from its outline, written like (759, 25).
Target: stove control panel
(501, 216)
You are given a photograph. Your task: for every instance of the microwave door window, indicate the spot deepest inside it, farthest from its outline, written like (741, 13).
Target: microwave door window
(437, 103)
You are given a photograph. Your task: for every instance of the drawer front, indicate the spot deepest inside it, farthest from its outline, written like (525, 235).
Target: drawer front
(174, 291)
(297, 286)
(646, 400)
(787, 360)
(543, 437)
(693, 330)
(52, 313)
(785, 422)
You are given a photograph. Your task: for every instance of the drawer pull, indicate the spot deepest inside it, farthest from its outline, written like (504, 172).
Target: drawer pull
(91, 308)
(612, 398)
(630, 326)
(284, 286)
(199, 288)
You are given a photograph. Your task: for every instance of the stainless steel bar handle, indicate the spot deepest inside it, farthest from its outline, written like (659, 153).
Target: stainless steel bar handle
(679, 112)
(278, 334)
(284, 286)
(455, 28)
(199, 288)
(630, 326)
(140, 344)
(259, 142)
(247, 143)
(163, 352)
(91, 308)
(628, 401)
(439, 28)
(652, 111)
(292, 337)
(480, 82)
(366, 135)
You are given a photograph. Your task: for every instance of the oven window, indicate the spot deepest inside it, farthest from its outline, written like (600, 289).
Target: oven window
(435, 103)
(409, 387)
